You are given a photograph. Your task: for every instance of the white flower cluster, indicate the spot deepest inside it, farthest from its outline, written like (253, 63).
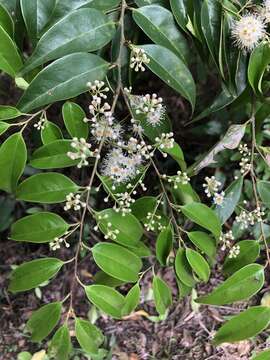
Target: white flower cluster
(245, 163)
(81, 151)
(211, 188)
(246, 218)
(153, 222)
(165, 142)
(226, 239)
(149, 105)
(73, 201)
(181, 178)
(124, 202)
(234, 252)
(110, 232)
(98, 88)
(40, 125)
(56, 243)
(138, 59)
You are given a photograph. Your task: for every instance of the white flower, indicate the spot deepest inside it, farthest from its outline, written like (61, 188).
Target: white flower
(211, 188)
(245, 163)
(234, 252)
(73, 201)
(40, 125)
(181, 178)
(166, 141)
(218, 198)
(82, 151)
(56, 243)
(151, 106)
(226, 240)
(138, 59)
(98, 88)
(104, 128)
(248, 31)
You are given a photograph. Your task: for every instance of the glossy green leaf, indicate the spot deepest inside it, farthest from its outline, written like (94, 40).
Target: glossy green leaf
(149, 2)
(264, 355)
(158, 24)
(101, 278)
(183, 269)
(6, 21)
(8, 112)
(13, 156)
(43, 321)
(244, 325)
(177, 154)
(60, 346)
(50, 133)
(162, 295)
(249, 252)
(106, 299)
(53, 155)
(203, 216)
(240, 286)
(73, 116)
(142, 206)
(117, 261)
(204, 242)
(33, 273)
(179, 9)
(129, 228)
(164, 244)
(40, 227)
(198, 264)
(63, 79)
(88, 336)
(258, 62)
(166, 65)
(83, 30)
(132, 300)
(48, 188)
(264, 191)
(10, 60)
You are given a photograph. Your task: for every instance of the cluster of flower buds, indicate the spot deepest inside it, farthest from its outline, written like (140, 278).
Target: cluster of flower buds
(124, 202)
(138, 59)
(165, 142)
(57, 242)
(98, 89)
(226, 240)
(234, 252)
(81, 151)
(180, 179)
(211, 188)
(250, 218)
(245, 162)
(149, 105)
(40, 125)
(153, 222)
(73, 201)
(111, 233)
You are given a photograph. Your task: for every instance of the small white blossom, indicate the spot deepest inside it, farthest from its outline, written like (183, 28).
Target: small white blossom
(234, 252)
(73, 201)
(138, 59)
(246, 218)
(40, 125)
(211, 188)
(98, 88)
(166, 141)
(56, 243)
(149, 105)
(226, 239)
(81, 151)
(181, 178)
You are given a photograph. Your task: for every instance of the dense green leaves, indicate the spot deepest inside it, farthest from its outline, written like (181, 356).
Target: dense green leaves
(33, 273)
(198, 264)
(43, 321)
(38, 228)
(10, 60)
(258, 62)
(49, 188)
(117, 261)
(240, 286)
(162, 295)
(164, 244)
(60, 345)
(83, 30)
(63, 79)
(166, 65)
(245, 325)
(88, 336)
(13, 156)
(73, 116)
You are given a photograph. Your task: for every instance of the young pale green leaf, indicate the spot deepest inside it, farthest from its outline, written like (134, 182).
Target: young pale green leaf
(258, 62)
(38, 228)
(264, 191)
(88, 336)
(10, 60)
(179, 9)
(183, 269)
(198, 264)
(167, 66)
(13, 156)
(53, 155)
(6, 21)
(203, 216)
(162, 295)
(132, 300)
(33, 273)
(244, 325)
(164, 244)
(63, 79)
(60, 346)
(117, 261)
(3, 127)
(249, 252)
(73, 116)
(106, 299)
(83, 30)
(240, 286)
(264, 355)
(9, 112)
(126, 229)
(158, 24)
(50, 133)
(48, 188)
(231, 199)
(43, 321)
(204, 242)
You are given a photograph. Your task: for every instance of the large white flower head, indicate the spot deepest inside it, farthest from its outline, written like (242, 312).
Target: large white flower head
(248, 31)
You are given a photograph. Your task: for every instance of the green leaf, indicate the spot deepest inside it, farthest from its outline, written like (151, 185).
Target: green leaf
(142, 206)
(101, 278)
(88, 336)
(63, 79)
(162, 295)
(53, 155)
(167, 66)
(24, 355)
(164, 244)
(158, 24)
(179, 9)
(106, 299)
(198, 264)
(264, 191)
(9, 112)
(50, 133)
(240, 286)
(117, 261)
(3, 127)
(244, 325)
(6, 21)
(10, 60)
(33, 273)
(183, 269)
(231, 199)
(129, 228)
(132, 300)
(177, 154)
(43, 321)
(40, 227)
(204, 242)
(258, 62)
(249, 252)
(83, 30)
(203, 216)
(48, 188)
(264, 355)
(73, 116)
(60, 346)
(13, 156)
